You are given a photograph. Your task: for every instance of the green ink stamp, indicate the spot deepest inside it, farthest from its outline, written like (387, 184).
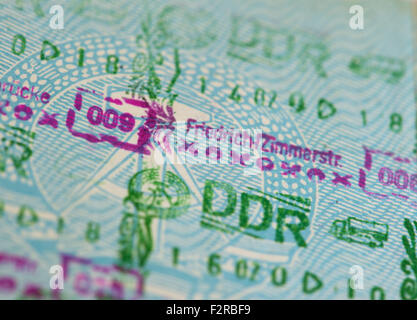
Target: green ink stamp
(370, 233)
(15, 146)
(392, 70)
(222, 217)
(408, 290)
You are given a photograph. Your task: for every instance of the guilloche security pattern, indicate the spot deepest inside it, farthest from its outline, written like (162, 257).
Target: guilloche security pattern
(208, 149)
